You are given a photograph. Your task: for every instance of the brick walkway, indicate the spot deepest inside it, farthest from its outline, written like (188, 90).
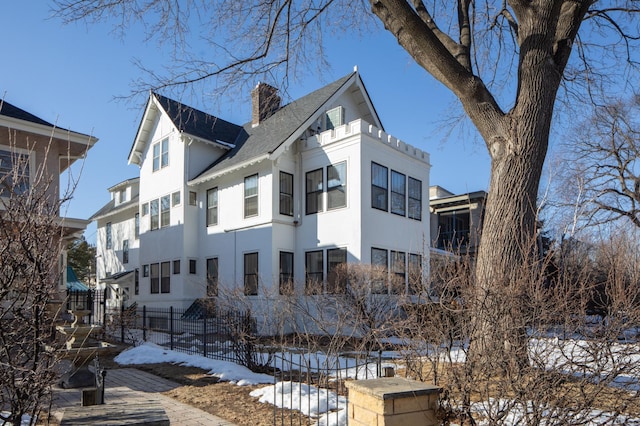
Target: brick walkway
(130, 385)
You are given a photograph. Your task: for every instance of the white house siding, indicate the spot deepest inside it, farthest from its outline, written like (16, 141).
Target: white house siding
(383, 229)
(199, 155)
(165, 244)
(356, 227)
(109, 261)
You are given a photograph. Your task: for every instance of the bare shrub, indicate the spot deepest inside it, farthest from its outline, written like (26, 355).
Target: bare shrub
(579, 369)
(31, 237)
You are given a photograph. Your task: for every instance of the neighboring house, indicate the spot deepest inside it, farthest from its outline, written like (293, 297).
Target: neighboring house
(48, 151)
(118, 224)
(271, 207)
(456, 220)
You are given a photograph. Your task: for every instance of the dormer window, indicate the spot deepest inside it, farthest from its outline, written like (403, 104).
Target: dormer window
(122, 195)
(334, 118)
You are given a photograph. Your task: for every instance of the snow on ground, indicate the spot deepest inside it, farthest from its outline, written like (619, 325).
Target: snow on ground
(150, 353)
(26, 419)
(516, 415)
(329, 408)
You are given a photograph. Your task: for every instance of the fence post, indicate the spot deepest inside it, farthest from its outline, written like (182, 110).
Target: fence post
(122, 322)
(171, 326)
(104, 307)
(204, 333)
(92, 308)
(144, 323)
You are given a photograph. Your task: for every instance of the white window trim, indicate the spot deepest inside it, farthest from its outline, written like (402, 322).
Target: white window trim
(32, 162)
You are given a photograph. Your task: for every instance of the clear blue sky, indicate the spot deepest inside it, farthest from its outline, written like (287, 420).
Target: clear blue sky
(70, 74)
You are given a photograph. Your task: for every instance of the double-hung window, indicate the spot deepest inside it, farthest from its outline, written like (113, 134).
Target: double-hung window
(415, 199)
(212, 207)
(286, 273)
(154, 208)
(398, 268)
(136, 230)
(251, 196)
(212, 277)
(415, 273)
(165, 211)
(337, 185)
(286, 194)
(398, 193)
(379, 187)
(161, 154)
(336, 271)
(379, 263)
(251, 274)
(314, 188)
(155, 278)
(314, 276)
(125, 251)
(14, 172)
(165, 277)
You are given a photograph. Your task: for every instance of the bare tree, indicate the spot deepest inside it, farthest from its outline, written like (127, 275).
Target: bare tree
(30, 245)
(604, 158)
(475, 49)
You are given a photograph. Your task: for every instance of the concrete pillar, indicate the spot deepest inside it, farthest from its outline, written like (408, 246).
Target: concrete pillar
(392, 401)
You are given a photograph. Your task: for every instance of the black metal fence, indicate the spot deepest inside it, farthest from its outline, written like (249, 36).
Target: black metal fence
(308, 387)
(212, 333)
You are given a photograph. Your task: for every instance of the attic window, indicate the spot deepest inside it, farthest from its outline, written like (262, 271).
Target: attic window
(334, 118)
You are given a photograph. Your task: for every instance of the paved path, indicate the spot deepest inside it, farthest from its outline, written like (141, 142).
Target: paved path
(130, 385)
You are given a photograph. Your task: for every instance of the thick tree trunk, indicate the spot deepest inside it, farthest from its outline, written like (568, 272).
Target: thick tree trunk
(506, 253)
(517, 142)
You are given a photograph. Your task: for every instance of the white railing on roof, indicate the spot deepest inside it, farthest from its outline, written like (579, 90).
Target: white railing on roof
(362, 127)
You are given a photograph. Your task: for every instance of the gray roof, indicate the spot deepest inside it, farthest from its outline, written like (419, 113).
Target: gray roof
(13, 111)
(10, 110)
(111, 207)
(272, 132)
(197, 123)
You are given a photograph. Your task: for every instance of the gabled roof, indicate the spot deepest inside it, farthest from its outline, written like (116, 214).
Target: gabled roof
(16, 118)
(10, 110)
(283, 127)
(197, 123)
(111, 208)
(187, 120)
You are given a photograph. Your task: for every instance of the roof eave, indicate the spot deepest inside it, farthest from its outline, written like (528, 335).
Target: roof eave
(227, 170)
(219, 144)
(48, 131)
(147, 120)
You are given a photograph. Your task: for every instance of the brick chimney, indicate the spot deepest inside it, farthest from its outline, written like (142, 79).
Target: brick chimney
(265, 101)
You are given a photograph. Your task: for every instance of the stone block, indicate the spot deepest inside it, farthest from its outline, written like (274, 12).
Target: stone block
(410, 404)
(418, 418)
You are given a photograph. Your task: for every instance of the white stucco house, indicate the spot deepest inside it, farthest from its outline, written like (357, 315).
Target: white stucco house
(269, 207)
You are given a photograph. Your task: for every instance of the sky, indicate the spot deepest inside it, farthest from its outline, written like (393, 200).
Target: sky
(71, 75)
